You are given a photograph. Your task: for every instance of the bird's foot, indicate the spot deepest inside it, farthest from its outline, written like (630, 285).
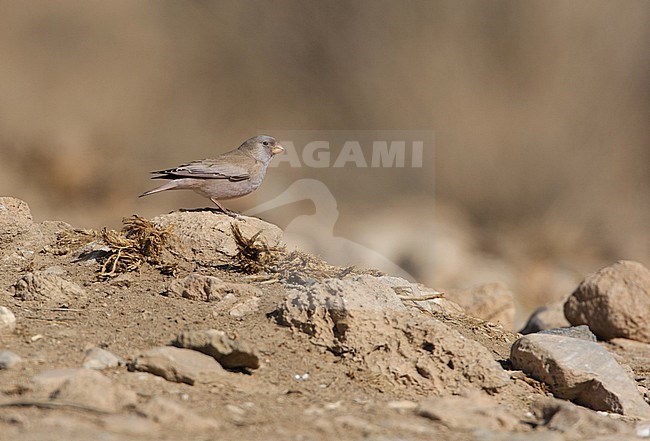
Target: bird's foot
(225, 210)
(217, 210)
(198, 210)
(232, 214)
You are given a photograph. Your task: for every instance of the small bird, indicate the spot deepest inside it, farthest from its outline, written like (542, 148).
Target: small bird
(233, 174)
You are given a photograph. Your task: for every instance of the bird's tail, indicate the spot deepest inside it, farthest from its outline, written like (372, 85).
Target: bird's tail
(166, 186)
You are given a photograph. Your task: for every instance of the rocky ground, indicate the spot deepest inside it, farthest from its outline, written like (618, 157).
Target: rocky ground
(197, 325)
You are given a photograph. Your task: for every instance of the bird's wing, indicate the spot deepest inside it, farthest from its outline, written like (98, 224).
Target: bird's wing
(206, 169)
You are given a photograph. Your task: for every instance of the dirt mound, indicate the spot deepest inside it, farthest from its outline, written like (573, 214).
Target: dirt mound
(283, 345)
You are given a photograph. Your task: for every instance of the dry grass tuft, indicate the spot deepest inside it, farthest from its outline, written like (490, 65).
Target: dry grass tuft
(139, 241)
(255, 257)
(252, 257)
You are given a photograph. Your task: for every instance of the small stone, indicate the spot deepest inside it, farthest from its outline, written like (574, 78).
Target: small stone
(9, 359)
(613, 302)
(582, 332)
(235, 409)
(179, 365)
(580, 371)
(48, 288)
(231, 354)
(56, 270)
(98, 358)
(7, 320)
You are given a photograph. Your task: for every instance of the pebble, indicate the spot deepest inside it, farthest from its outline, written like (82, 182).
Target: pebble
(98, 358)
(7, 320)
(9, 359)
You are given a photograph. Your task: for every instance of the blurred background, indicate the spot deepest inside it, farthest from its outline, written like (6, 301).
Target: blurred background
(540, 170)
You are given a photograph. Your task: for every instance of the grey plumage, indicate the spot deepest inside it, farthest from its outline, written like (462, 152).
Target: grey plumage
(233, 174)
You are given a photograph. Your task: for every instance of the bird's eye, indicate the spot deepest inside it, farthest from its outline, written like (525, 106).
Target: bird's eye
(265, 143)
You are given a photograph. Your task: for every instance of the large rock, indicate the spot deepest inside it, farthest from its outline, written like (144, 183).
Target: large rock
(46, 287)
(581, 371)
(179, 365)
(613, 302)
(362, 319)
(207, 237)
(231, 354)
(492, 302)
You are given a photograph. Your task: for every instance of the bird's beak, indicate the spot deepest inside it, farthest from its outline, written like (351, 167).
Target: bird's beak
(277, 149)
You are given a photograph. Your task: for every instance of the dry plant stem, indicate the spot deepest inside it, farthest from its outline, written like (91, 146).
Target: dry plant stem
(53, 405)
(422, 298)
(52, 319)
(60, 309)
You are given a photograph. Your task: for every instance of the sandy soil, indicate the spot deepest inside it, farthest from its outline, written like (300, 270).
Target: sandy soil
(302, 391)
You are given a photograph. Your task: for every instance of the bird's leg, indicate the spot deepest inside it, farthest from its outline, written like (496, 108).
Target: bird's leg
(218, 204)
(224, 209)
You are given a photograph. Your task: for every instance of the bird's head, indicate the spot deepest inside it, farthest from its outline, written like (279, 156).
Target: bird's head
(262, 147)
